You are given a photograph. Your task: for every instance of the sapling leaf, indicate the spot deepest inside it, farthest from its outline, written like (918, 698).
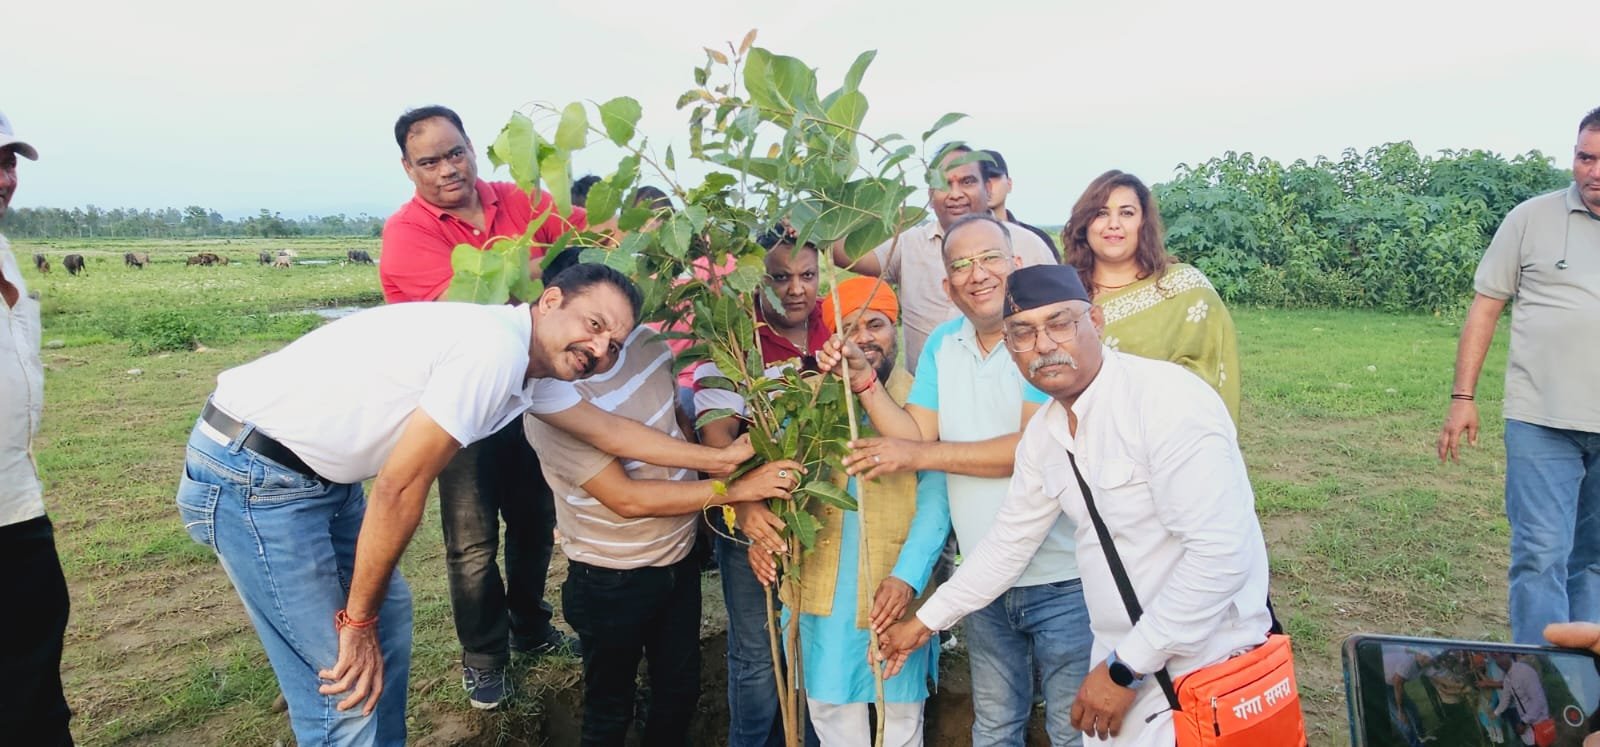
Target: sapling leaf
(573, 131)
(831, 494)
(943, 122)
(620, 116)
(634, 218)
(602, 202)
(479, 276)
(711, 416)
(516, 148)
(804, 526)
(716, 382)
(553, 171)
(852, 79)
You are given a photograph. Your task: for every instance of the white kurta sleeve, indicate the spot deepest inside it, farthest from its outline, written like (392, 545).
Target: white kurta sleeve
(1026, 517)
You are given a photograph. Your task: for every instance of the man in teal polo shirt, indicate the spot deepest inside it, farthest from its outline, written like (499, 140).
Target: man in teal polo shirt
(970, 402)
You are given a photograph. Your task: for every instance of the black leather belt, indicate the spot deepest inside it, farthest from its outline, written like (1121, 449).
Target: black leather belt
(257, 441)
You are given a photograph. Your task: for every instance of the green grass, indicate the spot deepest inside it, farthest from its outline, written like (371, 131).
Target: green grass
(216, 305)
(1367, 531)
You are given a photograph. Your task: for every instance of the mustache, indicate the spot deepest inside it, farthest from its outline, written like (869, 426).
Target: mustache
(590, 363)
(1053, 359)
(872, 348)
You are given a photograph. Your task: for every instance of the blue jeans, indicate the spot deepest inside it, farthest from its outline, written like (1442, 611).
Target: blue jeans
(1553, 504)
(1407, 722)
(1048, 623)
(287, 542)
(752, 690)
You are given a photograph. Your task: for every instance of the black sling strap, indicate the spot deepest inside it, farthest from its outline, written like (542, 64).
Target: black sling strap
(1118, 572)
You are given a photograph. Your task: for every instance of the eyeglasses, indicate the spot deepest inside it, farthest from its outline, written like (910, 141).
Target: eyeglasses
(991, 261)
(456, 156)
(1021, 338)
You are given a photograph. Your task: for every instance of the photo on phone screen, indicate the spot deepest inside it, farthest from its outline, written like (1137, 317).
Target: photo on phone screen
(1420, 692)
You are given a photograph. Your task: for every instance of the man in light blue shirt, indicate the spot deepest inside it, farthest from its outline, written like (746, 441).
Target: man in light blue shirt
(970, 402)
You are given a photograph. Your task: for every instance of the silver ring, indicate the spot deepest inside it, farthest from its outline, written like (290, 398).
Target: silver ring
(877, 459)
(783, 473)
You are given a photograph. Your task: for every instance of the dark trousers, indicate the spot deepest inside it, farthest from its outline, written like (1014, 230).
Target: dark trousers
(620, 615)
(32, 709)
(494, 479)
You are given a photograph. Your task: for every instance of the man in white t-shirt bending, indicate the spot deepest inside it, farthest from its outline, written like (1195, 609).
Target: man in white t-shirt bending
(272, 480)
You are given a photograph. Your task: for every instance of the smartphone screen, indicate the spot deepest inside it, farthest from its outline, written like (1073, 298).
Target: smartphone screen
(1422, 692)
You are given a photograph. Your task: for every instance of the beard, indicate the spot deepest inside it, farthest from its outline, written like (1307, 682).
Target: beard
(1053, 359)
(885, 364)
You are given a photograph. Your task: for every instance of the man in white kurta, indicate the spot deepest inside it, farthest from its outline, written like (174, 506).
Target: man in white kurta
(1157, 447)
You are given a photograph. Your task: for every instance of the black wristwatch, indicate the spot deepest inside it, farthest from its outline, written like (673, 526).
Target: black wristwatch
(1121, 674)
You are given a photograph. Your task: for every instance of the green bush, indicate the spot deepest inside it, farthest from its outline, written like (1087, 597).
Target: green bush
(162, 330)
(1388, 228)
(185, 328)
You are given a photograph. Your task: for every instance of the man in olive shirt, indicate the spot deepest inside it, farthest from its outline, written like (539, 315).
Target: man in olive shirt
(1546, 255)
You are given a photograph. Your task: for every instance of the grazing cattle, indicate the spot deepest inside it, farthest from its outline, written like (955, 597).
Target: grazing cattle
(207, 259)
(41, 264)
(136, 259)
(282, 260)
(265, 258)
(74, 263)
(359, 256)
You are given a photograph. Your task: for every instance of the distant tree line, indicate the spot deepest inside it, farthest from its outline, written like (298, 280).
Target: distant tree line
(1387, 228)
(190, 222)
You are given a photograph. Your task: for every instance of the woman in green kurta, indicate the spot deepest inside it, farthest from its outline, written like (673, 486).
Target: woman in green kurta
(1154, 306)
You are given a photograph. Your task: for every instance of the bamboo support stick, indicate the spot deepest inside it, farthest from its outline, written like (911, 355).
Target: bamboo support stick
(864, 548)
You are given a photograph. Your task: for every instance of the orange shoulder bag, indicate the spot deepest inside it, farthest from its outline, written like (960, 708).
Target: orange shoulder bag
(1249, 700)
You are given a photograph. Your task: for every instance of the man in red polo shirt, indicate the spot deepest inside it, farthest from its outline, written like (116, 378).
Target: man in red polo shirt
(498, 477)
(452, 206)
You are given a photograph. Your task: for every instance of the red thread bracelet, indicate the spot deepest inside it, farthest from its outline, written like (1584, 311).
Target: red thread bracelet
(863, 390)
(341, 620)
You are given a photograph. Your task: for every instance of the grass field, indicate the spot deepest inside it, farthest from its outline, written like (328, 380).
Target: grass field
(1367, 531)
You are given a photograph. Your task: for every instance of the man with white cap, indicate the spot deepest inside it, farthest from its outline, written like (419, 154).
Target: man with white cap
(32, 708)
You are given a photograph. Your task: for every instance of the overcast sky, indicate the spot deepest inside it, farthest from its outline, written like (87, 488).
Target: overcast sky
(290, 105)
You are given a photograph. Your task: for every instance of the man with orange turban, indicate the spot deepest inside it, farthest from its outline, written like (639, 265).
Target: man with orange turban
(870, 311)
(840, 594)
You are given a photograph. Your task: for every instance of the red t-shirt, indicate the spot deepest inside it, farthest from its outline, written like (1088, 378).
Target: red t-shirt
(775, 347)
(418, 238)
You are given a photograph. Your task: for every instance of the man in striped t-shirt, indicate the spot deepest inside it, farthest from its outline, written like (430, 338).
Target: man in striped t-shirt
(627, 528)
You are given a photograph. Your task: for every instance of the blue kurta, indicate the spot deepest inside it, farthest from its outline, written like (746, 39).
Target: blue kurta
(835, 650)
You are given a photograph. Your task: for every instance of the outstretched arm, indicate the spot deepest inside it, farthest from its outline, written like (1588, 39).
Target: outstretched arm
(993, 457)
(631, 499)
(630, 439)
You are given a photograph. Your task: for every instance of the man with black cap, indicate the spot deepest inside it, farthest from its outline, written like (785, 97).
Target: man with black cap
(1159, 451)
(997, 176)
(32, 709)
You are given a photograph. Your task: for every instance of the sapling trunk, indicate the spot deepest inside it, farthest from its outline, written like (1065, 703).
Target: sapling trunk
(777, 663)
